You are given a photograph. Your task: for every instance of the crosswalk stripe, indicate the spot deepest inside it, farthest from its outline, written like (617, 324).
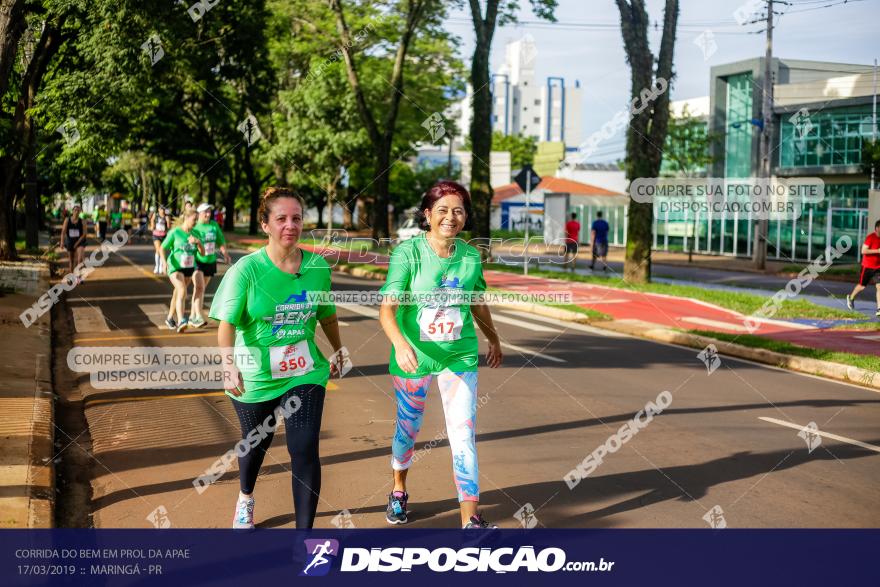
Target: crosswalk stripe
(525, 351)
(156, 313)
(89, 319)
(522, 324)
(821, 433)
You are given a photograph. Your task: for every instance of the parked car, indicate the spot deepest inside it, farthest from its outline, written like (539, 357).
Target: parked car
(408, 230)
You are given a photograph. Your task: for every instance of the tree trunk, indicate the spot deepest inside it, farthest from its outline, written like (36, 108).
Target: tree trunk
(254, 189)
(648, 127)
(231, 194)
(212, 189)
(31, 201)
(12, 27)
(22, 135)
(481, 142)
(380, 208)
(481, 122)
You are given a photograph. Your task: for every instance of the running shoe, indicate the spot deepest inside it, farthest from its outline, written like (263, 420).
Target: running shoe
(478, 522)
(171, 323)
(182, 326)
(878, 313)
(197, 322)
(849, 302)
(395, 513)
(244, 514)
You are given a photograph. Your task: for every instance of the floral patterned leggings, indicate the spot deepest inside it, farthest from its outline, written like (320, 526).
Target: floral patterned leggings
(458, 392)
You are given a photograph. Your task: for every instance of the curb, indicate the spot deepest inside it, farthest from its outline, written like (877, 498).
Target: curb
(827, 369)
(638, 328)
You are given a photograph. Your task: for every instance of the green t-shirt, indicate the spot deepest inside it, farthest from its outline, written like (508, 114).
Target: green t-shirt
(116, 219)
(100, 215)
(212, 238)
(183, 253)
(274, 318)
(442, 338)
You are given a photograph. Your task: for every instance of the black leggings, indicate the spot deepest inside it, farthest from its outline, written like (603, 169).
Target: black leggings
(301, 428)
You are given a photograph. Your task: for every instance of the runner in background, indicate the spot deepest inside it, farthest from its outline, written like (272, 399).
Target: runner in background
(143, 220)
(870, 267)
(115, 219)
(73, 238)
(572, 237)
(264, 306)
(599, 241)
(179, 256)
(211, 235)
(159, 222)
(127, 219)
(437, 340)
(101, 217)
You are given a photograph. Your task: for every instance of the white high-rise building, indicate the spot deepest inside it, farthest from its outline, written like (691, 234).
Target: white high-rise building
(548, 111)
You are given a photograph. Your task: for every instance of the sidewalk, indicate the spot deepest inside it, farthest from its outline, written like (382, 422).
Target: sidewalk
(27, 476)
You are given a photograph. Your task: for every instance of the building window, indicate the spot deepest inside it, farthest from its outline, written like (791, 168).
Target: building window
(525, 83)
(738, 126)
(537, 120)
(828, 137)
(537, 102)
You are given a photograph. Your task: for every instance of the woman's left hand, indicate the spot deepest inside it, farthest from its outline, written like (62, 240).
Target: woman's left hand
(494, 356)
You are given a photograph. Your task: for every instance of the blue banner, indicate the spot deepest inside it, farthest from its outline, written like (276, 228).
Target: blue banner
(434, 557)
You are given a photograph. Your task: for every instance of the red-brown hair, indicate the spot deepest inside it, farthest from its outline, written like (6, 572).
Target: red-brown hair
(440, 190)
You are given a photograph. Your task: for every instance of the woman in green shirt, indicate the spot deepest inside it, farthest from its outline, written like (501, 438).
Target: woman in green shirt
(179, 257)
(268, 313)
(433, 337)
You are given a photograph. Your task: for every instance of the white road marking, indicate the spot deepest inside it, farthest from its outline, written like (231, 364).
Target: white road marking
(525, 351)
(872, 337)
(89, 319)
(522, 324)
(156, 313)
(715, 323)
(823, 434)
(362, 310)
(165, 296)
(564, 324)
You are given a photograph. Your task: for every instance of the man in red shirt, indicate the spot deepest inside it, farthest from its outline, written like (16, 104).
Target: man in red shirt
(572, 235)
(870, 267)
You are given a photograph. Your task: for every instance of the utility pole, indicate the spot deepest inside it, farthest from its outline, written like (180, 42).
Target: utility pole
(762, 224)
(874, 122)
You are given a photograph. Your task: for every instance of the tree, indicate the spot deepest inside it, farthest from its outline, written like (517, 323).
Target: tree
(688, 142)
(481, 122)
(648, 122)
(382, 136)
(522, 149)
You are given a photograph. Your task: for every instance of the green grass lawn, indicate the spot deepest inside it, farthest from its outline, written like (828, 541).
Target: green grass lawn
(739, 302)
(870, 362)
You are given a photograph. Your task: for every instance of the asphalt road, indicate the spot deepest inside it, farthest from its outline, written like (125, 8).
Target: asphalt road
(563, 390)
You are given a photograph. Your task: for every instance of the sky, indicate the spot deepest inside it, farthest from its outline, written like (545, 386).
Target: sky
(585, 44)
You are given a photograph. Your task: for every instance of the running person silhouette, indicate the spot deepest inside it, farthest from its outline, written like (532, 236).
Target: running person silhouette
(319, 559)
(437, 340)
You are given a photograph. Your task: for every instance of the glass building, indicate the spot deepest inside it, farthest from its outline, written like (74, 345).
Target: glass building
(821, 118)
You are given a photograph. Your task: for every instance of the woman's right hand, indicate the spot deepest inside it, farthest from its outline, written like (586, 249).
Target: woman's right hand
(406, 358)
(232, 381)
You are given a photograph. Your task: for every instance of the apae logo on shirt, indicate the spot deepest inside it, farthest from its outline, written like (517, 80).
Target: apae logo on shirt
(296, 310)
